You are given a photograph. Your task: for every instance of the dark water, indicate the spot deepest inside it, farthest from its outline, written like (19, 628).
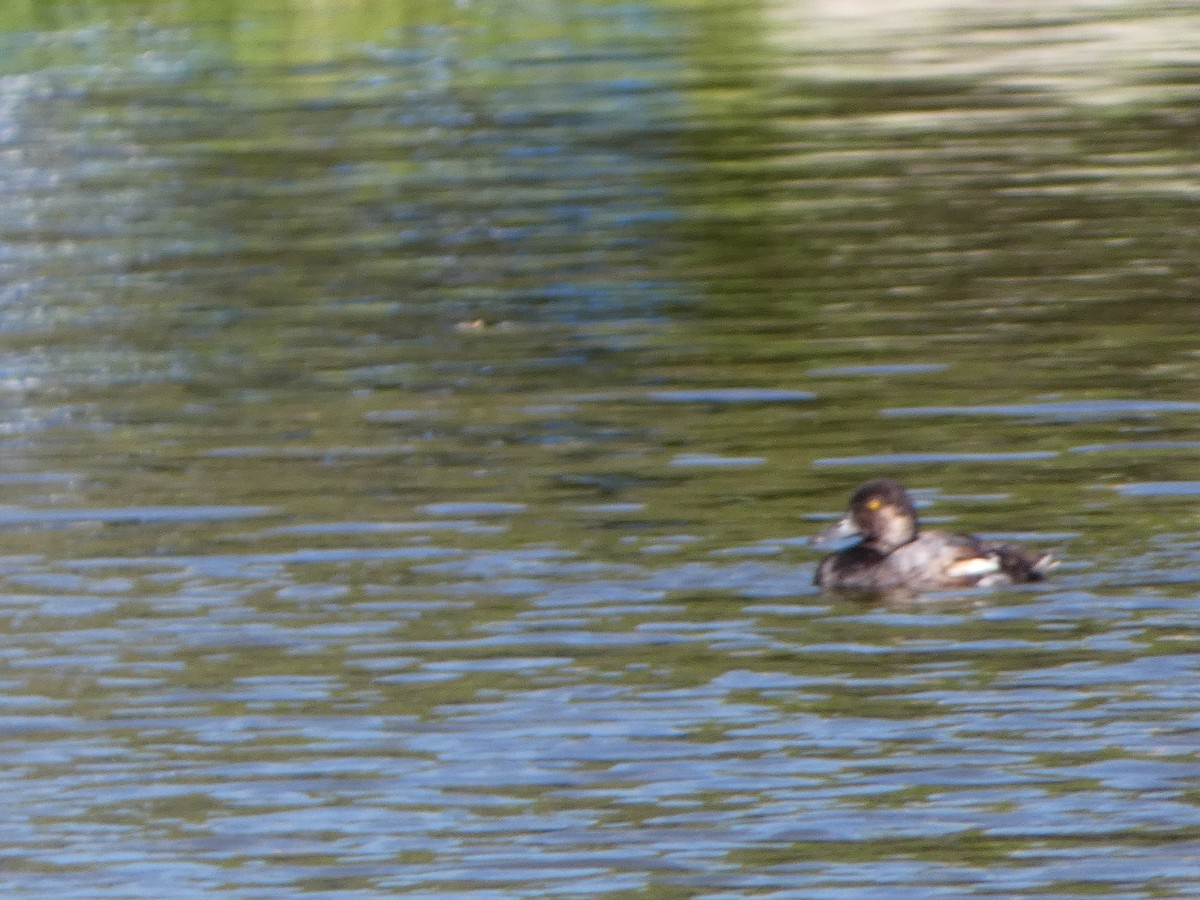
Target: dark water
(414, 417)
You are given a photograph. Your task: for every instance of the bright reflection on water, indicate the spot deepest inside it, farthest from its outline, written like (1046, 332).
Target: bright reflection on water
(415, 416)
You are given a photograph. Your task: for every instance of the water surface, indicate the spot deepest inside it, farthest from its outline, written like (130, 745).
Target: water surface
(415, 417)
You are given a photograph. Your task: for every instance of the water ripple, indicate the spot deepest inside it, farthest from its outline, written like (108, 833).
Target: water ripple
(916, 459)
(1068, 411)
(731, 395)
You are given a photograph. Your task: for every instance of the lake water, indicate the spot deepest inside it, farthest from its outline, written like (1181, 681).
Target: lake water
(415, 415)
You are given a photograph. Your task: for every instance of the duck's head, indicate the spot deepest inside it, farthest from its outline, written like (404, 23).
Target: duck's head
(881, 514)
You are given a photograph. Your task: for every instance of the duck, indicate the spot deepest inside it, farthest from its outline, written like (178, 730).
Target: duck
(894, 555)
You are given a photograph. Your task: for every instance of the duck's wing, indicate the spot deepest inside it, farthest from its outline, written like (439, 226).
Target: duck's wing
(972, 561)
(987, 563)
(974, 567)
(942, 559)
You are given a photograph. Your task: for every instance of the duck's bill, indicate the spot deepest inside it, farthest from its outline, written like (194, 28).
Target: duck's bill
(843, 532)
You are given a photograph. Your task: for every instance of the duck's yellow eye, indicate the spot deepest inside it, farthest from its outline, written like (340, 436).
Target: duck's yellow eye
(874, 504)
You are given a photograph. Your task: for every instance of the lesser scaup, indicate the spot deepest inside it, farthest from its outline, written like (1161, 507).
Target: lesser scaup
(895, 555)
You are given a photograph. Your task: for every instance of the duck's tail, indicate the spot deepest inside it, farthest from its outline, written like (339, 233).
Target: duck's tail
(1022, 566)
